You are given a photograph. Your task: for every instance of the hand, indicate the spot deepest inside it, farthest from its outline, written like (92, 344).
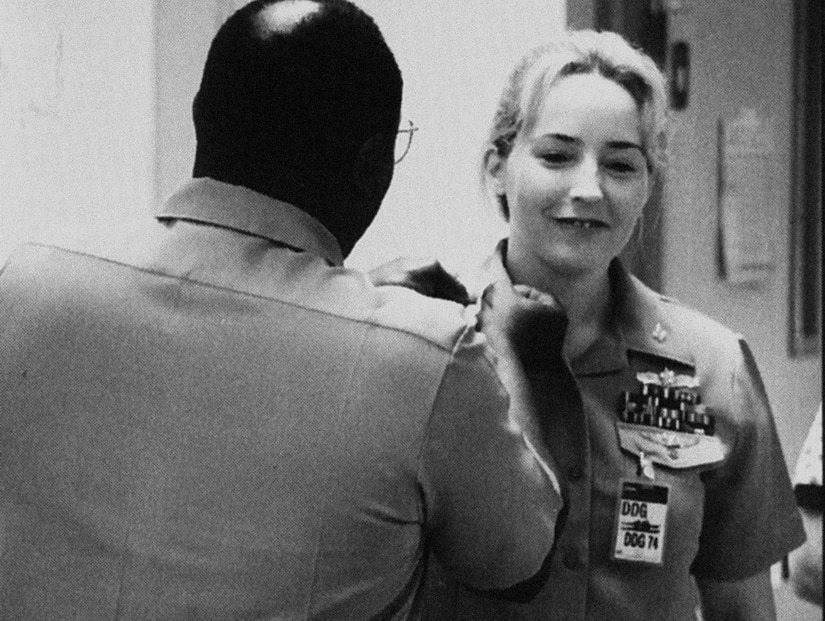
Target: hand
(422, 274)
(525, 321)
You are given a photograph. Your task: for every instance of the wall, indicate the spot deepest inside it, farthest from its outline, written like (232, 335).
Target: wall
(76, 92)
(184, 30)
(742, 57)
(455, 62)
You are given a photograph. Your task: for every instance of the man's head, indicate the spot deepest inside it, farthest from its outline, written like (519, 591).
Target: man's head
(300, 100)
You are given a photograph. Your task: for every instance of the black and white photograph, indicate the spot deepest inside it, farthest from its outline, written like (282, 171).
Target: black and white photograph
(439, 310)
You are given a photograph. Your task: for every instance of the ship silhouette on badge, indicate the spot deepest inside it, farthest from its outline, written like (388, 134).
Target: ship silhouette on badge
(641, 526)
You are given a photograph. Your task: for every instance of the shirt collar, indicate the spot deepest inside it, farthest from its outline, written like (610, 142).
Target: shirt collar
(641, 321)
(241, 209)
(646, 318)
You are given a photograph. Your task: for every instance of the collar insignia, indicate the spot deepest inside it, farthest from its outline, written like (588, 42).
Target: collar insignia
(671, 441)
(668, 379)
(659, 333)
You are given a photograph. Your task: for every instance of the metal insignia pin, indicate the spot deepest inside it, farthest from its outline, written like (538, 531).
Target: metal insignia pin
(672, 442)
(646, 466)
(668, 378)
(659, 333)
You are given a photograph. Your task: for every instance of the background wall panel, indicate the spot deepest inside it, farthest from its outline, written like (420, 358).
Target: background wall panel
(76, 101)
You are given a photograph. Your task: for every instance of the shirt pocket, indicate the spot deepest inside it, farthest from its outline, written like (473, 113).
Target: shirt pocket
(681, 471)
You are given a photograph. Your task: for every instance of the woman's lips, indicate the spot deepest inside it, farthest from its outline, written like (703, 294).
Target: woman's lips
(581, 223)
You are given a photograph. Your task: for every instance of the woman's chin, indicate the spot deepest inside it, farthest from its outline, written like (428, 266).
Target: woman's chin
(575, 263)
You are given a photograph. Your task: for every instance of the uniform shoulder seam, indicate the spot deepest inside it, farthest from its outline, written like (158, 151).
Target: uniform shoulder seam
(449, 347)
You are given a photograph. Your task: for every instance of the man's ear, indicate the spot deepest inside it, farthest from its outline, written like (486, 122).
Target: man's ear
(373, 167)
(495, 167)
(370, 178)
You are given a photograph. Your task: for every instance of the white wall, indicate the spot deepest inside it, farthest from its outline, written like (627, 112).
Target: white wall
(184, 30)
(455, 57)
(76, 99)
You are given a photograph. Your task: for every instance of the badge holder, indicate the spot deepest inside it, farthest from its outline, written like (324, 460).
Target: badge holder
(641, 520)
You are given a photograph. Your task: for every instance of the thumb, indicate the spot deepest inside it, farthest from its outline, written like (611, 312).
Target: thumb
(535, 295)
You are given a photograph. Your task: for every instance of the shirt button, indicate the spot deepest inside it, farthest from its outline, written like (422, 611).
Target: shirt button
(570, 559)
(574, 474)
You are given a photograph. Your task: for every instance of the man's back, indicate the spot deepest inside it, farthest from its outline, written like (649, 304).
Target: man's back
(233, 429)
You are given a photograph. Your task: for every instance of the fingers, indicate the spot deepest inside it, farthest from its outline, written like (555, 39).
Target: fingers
(451, 289)
(499, 292)
(398, 272)
(444, 285)
(514, 294)
(424, 275)
(528, 322)
(537, 296)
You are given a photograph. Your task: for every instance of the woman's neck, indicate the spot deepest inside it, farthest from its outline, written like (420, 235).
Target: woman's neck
(585, 297)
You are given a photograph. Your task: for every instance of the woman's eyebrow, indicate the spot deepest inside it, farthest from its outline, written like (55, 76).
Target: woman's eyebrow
(562, 137)
(613, 144)
(622, 144)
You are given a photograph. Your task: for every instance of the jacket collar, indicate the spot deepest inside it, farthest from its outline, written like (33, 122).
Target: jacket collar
(641, 322)
(234, 207)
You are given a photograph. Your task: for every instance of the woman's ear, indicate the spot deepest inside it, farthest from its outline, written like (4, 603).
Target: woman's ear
(652, 180)
(495, 167)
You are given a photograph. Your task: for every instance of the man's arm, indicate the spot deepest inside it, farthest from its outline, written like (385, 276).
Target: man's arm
(806, 560)
(494, 499)
(489, 510)
(526, 330)
(750, 599)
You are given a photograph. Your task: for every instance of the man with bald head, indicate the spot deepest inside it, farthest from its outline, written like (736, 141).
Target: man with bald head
(231, 425)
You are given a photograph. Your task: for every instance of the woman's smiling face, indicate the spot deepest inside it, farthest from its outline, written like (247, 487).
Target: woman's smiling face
(576, 179)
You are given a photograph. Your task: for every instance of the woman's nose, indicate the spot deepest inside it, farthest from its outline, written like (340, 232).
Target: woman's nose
(586, 182)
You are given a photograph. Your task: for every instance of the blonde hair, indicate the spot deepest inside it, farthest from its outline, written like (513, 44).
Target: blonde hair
(581, 52)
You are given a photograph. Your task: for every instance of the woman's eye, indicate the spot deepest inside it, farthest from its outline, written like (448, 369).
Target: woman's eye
(622, 167)
(556, 158)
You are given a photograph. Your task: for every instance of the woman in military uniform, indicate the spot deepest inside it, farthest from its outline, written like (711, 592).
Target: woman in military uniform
(673, 474)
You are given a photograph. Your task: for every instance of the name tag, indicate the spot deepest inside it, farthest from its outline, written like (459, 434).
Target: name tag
(641, 518)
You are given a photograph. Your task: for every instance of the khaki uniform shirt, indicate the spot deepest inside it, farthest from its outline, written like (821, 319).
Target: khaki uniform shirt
(726, 520)
(227, 424)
